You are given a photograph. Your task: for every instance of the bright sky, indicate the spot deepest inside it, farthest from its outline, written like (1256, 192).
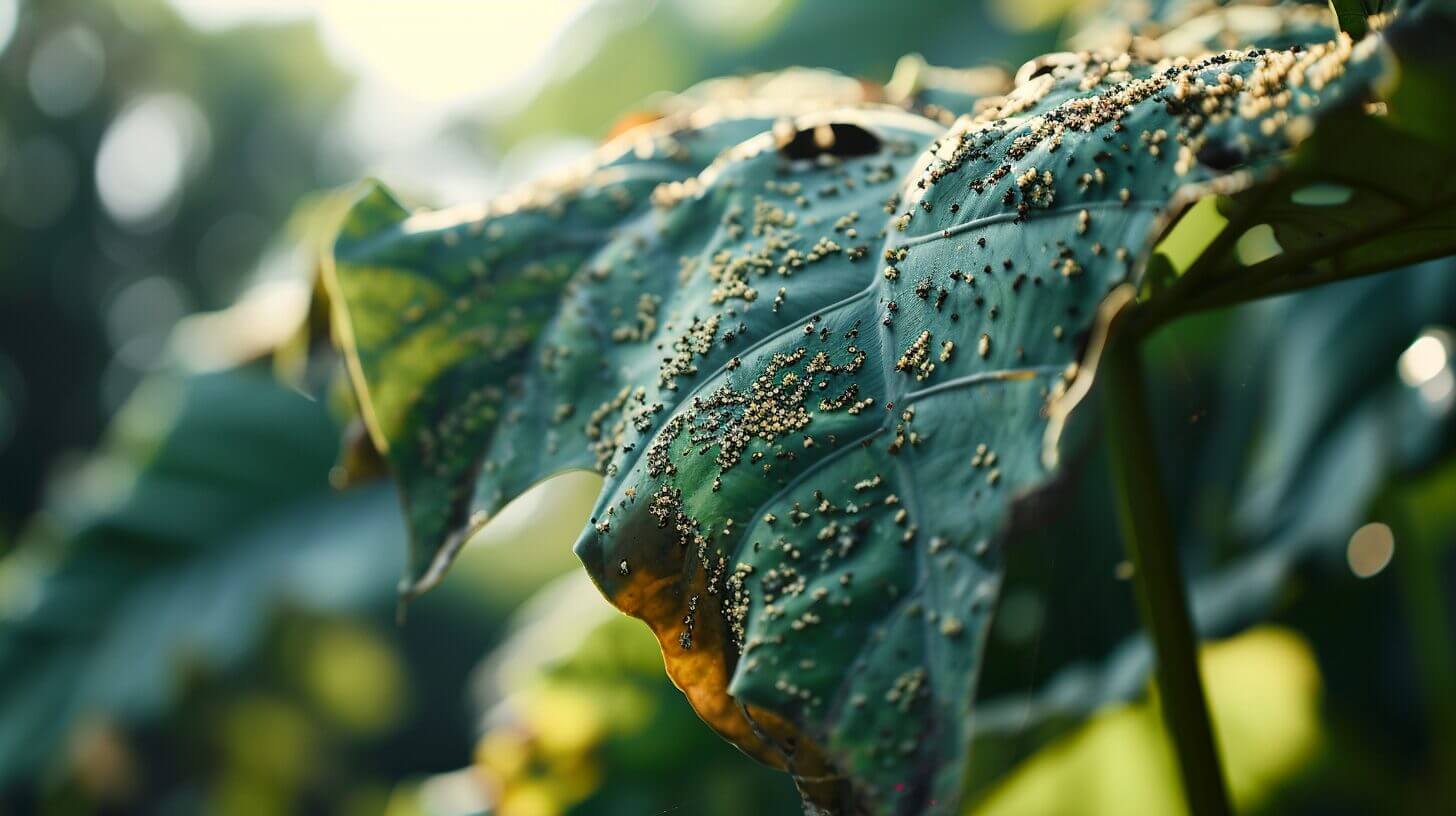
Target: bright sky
(434, 52)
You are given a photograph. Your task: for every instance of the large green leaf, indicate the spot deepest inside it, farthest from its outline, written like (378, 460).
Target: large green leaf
(815, 373)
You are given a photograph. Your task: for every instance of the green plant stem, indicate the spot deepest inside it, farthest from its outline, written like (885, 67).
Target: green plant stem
(1148, 536)
(1419, 568)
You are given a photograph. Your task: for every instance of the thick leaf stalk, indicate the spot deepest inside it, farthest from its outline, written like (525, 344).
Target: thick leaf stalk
(1151, 546)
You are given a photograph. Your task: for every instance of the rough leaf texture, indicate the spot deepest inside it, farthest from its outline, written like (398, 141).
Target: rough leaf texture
(812, 353)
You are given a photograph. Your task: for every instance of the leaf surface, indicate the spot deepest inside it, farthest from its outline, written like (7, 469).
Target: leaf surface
(814, 370)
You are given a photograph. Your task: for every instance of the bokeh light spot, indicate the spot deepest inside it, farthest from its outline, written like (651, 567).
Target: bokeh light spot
(442, 51)
(66, 71)
(1020, 616)
(1370, 550)
(9, 16)
(1423, 360)
(1425, 365)
(146, 155)
(140, 317)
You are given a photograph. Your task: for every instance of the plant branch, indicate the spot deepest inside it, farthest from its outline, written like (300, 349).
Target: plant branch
(1148, 537)
(1419, 570)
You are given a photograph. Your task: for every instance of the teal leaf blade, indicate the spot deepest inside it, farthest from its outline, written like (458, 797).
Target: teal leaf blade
(816, 375)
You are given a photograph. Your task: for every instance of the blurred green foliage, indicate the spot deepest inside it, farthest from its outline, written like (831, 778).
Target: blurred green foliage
(86, 298)
(583, 721)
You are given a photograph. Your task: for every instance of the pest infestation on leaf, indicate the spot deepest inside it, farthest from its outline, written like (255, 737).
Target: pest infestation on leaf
(875, 407)
(752, 322)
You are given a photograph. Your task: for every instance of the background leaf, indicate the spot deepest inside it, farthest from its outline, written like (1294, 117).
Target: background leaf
(221, 511)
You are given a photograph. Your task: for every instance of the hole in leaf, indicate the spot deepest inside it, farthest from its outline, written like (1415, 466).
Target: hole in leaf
(1191, 235)
(1045, 64)
(837, 139)
(1257, 245)
(1321, 195)
(1221, 155)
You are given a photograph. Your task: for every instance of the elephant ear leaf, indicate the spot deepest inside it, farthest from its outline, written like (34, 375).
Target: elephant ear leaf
(814, 371)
